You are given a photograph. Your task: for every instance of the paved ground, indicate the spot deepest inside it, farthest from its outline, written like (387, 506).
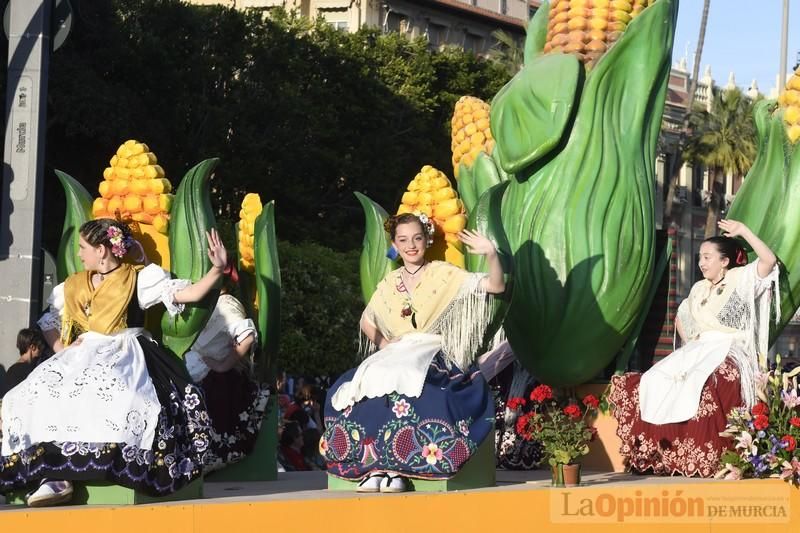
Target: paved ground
(312, 485)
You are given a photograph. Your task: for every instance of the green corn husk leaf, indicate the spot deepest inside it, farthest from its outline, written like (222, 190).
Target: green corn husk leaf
(485, 218)
(580, 222)
(374, 265)
(530, 115)
(769, 203)
(268, 285)
(79, 210)
(476, 179)
(537, 32)
(190, 218)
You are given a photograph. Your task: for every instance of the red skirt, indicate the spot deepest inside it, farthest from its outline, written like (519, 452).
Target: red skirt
(690, 448)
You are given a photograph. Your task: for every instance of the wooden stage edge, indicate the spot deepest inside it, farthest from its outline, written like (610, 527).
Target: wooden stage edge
(521, 502)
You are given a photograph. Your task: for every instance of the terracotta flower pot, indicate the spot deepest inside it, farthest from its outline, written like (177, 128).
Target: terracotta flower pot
(566, 475)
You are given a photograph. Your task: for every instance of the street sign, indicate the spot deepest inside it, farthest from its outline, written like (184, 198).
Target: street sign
(61, 22)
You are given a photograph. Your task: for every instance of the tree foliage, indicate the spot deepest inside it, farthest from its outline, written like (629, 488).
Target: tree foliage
(724, 140)
(297, 111)
(320, 309)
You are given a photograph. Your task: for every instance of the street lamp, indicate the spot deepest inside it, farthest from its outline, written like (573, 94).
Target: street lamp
(784, 40)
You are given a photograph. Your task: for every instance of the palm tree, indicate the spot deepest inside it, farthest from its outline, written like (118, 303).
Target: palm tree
(507, 51)
(723, 140)
(678, 158)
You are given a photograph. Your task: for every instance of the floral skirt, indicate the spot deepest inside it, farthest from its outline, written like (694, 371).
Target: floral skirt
(236, 404)
(431, 436)
(690, 448)
(181, 440)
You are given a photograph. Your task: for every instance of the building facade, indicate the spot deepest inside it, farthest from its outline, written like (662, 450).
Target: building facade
(467, 24)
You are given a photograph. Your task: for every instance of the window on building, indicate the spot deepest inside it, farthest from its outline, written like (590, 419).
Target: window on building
(338, 18)
(437, 35)
(503, 6)
(473, 2)
(473, 43)
(396, 22)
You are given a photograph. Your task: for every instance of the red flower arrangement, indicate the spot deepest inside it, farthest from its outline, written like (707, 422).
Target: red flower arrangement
(761, 422)
(565, 431)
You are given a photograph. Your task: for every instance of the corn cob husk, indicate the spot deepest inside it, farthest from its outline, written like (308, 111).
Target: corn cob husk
(578, 214)
(587, 28)
(431, 193)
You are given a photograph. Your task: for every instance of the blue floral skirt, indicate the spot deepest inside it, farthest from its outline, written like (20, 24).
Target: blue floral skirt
(427, 437)
(179, 450)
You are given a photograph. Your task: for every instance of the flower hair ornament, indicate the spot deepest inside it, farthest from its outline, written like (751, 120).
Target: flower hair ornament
(741, 257)
(120, 243)
(427, 223)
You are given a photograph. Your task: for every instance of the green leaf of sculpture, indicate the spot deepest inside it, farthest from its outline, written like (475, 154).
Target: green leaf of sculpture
(478, 178)
(769, 203)
(268, 285)
(536, 33)
(530, 114)
(190, 218)
(374, 264)
(580, 225)
(79, 210)
(485, 218)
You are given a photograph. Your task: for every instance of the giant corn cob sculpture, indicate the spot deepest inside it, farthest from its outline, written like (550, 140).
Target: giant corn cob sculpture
(135, 190)
(431, 193)
(471, 134)
(472, 145)
(769, 199)
(577, 129)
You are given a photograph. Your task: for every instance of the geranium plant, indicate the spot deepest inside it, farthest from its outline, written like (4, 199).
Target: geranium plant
(766, 436)
(564, 428)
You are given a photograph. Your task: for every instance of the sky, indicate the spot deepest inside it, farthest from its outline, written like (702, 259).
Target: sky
(742, 36)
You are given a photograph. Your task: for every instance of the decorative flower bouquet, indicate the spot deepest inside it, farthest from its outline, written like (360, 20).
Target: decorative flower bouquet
(766, 436)
(564, 428)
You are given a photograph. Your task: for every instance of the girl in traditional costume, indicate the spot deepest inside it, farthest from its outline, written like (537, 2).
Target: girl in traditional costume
(418, 406)
(110, 404)
(670, 417)
(220, 361)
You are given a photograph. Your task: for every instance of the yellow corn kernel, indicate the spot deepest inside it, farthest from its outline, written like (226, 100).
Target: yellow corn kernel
(132, 203)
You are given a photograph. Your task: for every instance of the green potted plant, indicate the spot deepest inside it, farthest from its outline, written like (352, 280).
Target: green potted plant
(563, 427)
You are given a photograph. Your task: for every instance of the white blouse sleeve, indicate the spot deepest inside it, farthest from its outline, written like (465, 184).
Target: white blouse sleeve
(764, 284)
(155, 285)
(51, 319)
(241, 329)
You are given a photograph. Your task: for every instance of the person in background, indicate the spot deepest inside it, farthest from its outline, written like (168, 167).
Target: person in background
(33, 349)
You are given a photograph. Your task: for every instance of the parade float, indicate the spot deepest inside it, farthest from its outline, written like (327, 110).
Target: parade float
(172, 230)
(559, 170)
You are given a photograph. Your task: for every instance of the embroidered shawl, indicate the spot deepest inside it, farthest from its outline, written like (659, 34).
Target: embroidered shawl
(102, 309)
(448, 301)
(740, 305)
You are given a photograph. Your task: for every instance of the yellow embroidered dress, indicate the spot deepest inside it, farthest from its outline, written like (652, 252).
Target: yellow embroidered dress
(419, 407)
(113, 406)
